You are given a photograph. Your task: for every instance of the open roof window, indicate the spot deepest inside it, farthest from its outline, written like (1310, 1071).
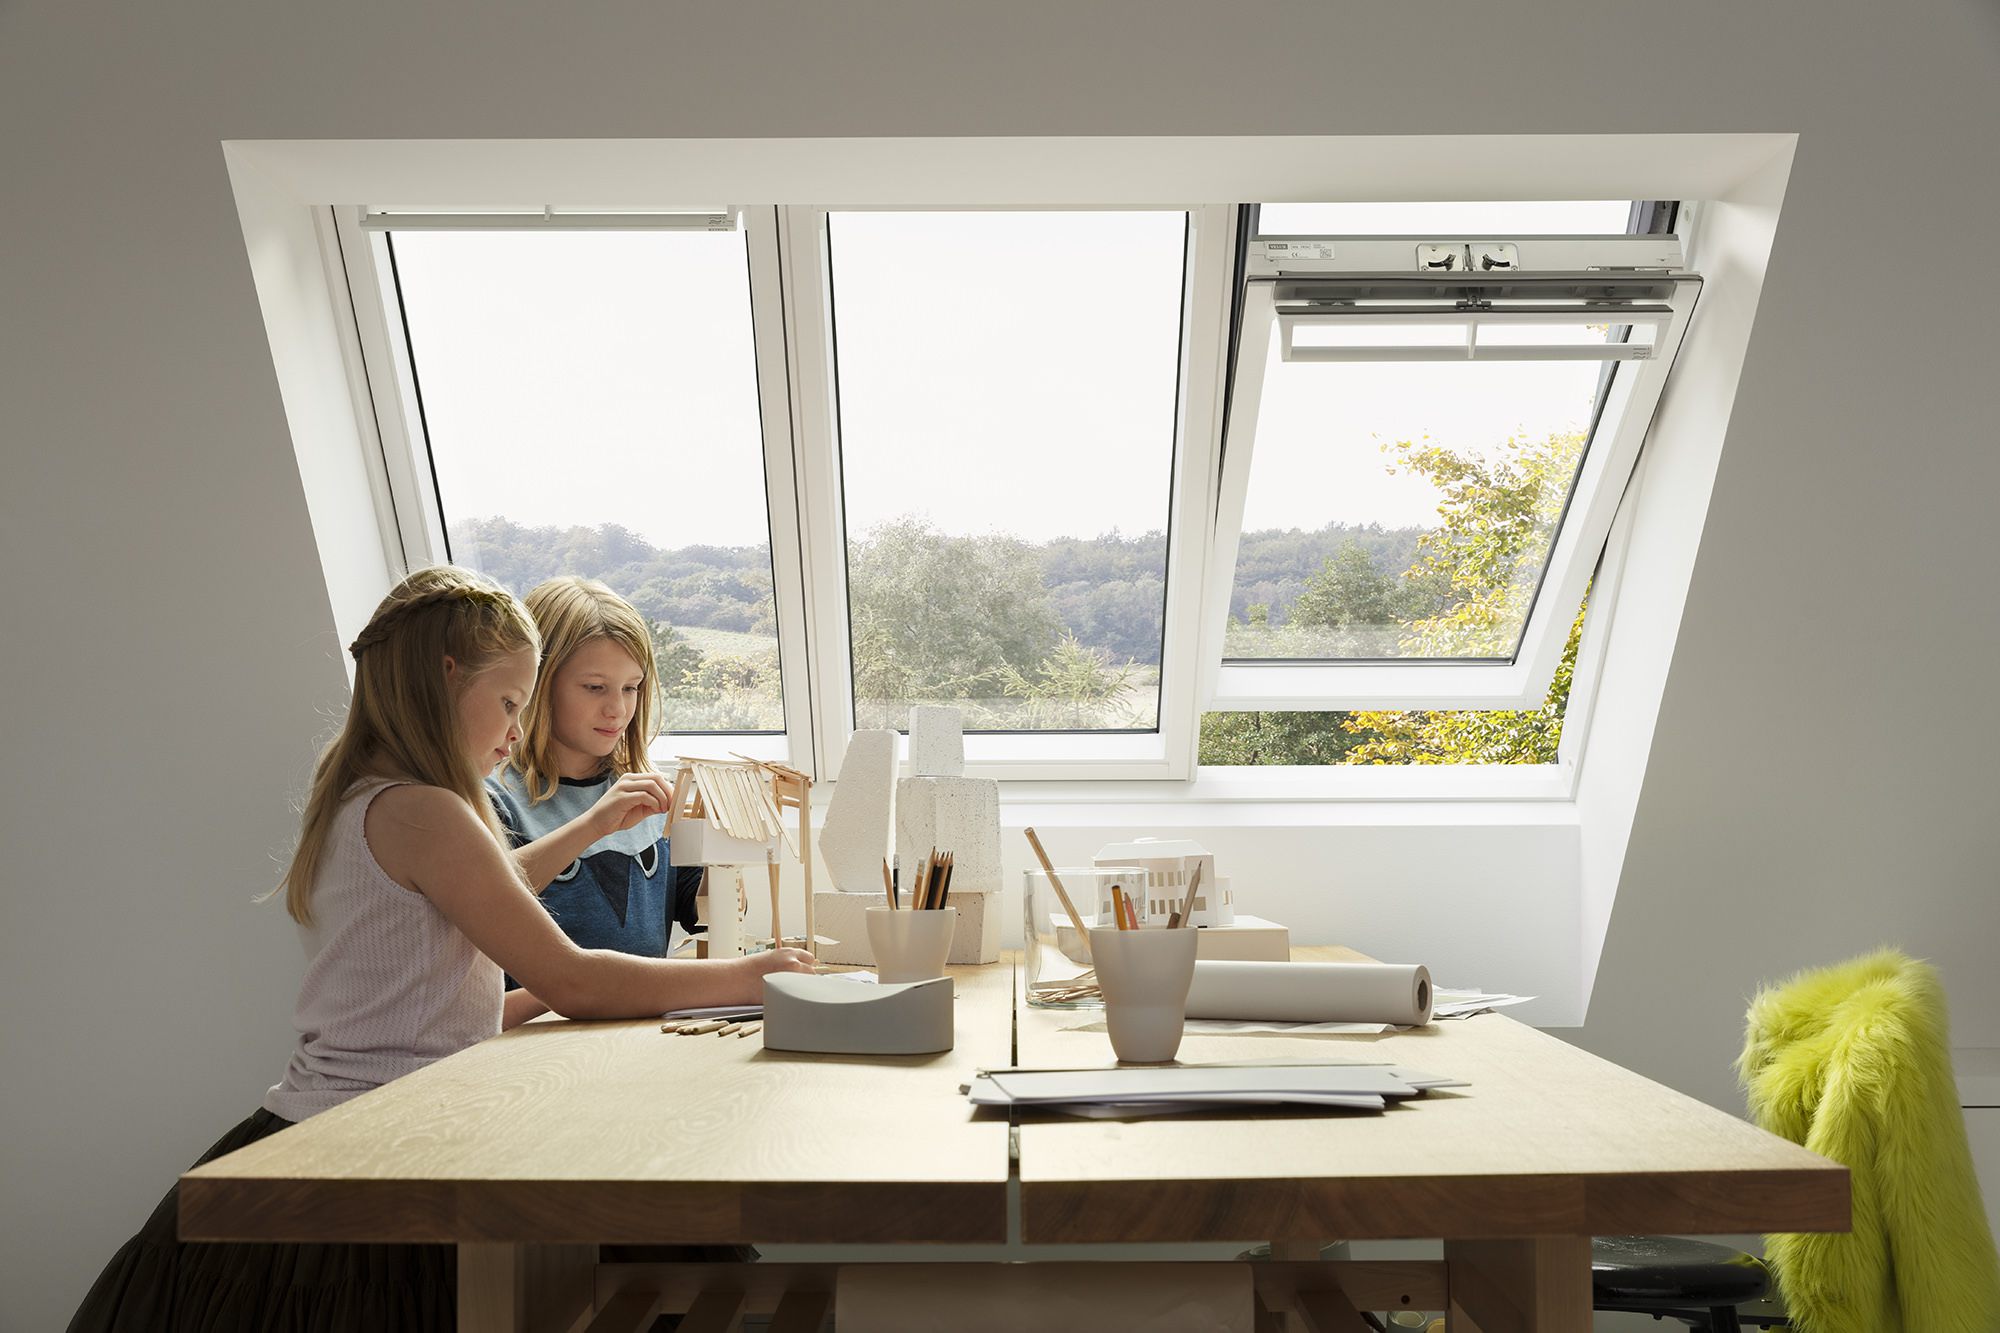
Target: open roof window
(1452, 414)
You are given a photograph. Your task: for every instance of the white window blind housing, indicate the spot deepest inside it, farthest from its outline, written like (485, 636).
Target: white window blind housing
(1392, 343)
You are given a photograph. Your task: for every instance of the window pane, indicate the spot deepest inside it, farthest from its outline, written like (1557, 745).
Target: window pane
(1404, 510)
(1436, 736)
(1496, 218)
(1007, 436)
(590, 399)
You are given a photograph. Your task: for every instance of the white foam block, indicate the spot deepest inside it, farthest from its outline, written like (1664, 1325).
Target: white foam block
(855, 837)
(842, 922)
(937, 741)
(956, 815)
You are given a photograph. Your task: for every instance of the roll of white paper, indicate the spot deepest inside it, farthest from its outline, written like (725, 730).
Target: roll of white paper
(1311, 992)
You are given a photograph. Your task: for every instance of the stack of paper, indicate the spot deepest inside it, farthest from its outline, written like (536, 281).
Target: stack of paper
(1171, 1089)
(1466, 1003)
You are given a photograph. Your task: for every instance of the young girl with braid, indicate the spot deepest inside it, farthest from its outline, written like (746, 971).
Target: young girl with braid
(579, 799)
(410, 906)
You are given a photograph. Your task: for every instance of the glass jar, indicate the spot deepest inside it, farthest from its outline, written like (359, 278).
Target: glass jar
(1058, 958)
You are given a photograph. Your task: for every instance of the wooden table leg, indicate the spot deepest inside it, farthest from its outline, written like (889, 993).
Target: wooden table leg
(1295, 1249)
(1519, 1286)
(524, 1288)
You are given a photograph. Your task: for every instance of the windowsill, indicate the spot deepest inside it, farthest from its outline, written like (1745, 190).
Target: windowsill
(1481, 794)
(1533, 791)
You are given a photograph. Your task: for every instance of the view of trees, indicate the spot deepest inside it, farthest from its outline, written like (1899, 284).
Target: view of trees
(1465, 593)
(1066, 634)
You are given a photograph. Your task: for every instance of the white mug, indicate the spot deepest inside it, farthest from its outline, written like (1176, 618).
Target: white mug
(910, 945)
(1144, 975)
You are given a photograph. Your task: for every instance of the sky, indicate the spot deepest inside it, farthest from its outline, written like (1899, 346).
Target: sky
(998, 372)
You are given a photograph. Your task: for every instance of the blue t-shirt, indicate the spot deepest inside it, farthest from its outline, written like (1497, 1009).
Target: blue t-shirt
(622, 892)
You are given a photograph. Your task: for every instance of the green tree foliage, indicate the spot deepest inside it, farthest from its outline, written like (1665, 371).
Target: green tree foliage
(1468, 736)
(674, 658)
(1276, 738)
(1073, 687)
(1469, 584)
(1068, 633)
(937, 617)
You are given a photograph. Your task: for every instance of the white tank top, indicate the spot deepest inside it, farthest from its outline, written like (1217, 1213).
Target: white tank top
(390, 984)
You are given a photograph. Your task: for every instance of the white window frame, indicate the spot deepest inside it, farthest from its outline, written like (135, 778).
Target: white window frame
(1165, 753)
(1607, 468)
(407, 499)
(791, 314)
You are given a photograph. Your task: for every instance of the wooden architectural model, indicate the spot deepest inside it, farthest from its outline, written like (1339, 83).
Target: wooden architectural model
(731, 813)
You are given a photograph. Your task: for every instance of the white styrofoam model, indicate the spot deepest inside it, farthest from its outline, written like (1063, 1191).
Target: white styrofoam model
(960, 816)
(937, 741)
(956, 815)
(841, 920)
(855, 837)
(1168, 862)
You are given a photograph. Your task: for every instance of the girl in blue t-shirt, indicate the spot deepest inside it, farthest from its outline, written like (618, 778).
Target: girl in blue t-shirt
(579, 799)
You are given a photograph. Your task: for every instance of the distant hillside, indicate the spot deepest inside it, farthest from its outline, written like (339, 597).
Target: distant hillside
(1107, 589)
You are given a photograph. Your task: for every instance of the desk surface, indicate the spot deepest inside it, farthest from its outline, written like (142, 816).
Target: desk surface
(606, 1132)
(610, 1132)
(1548, 1140)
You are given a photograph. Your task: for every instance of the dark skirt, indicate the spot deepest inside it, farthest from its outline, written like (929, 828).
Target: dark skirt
(157, 1284)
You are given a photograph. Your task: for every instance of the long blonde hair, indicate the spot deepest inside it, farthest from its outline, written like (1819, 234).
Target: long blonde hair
(571, 612)
(402, 721)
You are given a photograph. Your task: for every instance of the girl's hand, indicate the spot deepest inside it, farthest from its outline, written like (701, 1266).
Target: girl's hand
(757, 966)
(632, 799)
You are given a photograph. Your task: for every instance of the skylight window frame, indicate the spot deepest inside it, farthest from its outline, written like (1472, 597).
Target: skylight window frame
(359, 252)
(1166, 752)
(1611, 455)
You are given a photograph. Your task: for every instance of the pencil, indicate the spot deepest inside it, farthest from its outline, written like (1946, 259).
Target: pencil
(1062, 894)
(1187, 903)
(888, 885)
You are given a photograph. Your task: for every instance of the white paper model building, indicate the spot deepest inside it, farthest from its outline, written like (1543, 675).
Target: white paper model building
(1168, 863)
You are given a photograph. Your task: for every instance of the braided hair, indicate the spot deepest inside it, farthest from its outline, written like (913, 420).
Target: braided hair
(402, 720)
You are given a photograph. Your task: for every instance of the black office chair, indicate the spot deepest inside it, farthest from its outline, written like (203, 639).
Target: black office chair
(1707, 1287)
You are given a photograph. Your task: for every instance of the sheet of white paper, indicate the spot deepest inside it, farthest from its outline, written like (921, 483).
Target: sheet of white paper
(1227, 1027)
(1230, 1027)
(1135, 1110)
(1188, 1083)
(1447, 1003)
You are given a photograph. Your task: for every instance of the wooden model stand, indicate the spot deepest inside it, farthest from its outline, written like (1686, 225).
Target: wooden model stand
(745, 800)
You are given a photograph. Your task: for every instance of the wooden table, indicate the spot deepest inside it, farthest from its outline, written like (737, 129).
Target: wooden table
(529, 1150)
(1548, 1147)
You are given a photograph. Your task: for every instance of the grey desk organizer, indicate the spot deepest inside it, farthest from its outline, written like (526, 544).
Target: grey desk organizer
(804, 1012)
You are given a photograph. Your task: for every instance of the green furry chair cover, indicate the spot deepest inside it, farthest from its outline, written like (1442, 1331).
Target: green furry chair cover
(1853, 1062)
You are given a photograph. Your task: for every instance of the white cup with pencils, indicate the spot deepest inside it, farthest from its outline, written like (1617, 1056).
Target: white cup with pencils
(1144, 975)
(911, 945)
(911, 936)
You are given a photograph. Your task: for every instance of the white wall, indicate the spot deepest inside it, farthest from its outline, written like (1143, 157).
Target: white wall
(171, 658)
